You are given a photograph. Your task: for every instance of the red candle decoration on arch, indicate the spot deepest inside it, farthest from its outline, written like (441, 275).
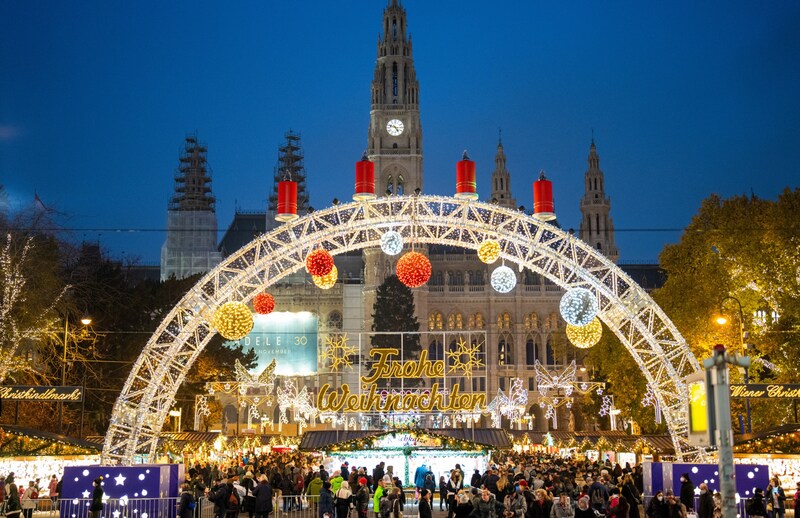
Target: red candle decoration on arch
(466, 186)
(365, 179)
(263, 303)
(543, 206)
(319, 263)
(287, 201)
(413, 269)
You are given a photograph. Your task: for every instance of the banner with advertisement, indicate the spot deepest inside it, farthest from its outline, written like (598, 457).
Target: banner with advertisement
(288, 338)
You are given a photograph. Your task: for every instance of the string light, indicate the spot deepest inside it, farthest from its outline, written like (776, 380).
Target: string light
(328, 281)
(578, 306)
(263, 303)
(233, 320)
(413, 269)
(586, 336)
(503, 279)
(392, 243)
(319, 262)
(489, 251)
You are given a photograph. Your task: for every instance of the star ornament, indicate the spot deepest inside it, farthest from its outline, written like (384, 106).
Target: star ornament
(120, 480)
(339, 352)
(465, 357)
(85, 494)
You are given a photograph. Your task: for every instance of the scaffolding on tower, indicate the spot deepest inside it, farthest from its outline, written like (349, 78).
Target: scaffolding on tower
(290, 167)
(192, 179)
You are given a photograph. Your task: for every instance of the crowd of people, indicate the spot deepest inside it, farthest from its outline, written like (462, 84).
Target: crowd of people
(514, 486)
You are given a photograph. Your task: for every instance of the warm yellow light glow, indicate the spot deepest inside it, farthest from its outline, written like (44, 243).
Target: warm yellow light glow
(489, 251)
(721, 320)
(586, 336)
(86, 321)
(233, 320)
(326, 282)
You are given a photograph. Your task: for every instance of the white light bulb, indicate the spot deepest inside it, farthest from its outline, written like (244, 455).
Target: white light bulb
(503, 279)
(392, 243)
(578, 306)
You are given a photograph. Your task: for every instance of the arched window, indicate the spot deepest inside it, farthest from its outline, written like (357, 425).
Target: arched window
(479, 322)
(505, 350)
(597, 225)
(452, 347)
(530, 351)
(394, 28)
(532, 321)
(549, 356)
(459, 278)
(435, 321)
(435, 350)
(390, 185)
(438, 278)
(334, 320)
(394, 79)
(401, 185)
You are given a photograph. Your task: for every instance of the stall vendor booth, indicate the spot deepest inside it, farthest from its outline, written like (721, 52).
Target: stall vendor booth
(406, 450)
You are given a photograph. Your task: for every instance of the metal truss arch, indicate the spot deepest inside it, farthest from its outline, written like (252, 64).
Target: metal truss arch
(651, 338)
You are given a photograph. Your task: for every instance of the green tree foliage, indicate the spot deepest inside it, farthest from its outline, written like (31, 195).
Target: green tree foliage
(747, 248)
(394, 312)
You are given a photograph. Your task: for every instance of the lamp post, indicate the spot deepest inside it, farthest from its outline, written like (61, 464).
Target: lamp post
(722, 320)
(85, 321)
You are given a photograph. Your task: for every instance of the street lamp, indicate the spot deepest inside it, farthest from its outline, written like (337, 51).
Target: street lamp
(86, 321)
(722, 320)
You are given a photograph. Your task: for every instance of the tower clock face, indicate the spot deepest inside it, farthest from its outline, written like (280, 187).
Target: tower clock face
(394, 127)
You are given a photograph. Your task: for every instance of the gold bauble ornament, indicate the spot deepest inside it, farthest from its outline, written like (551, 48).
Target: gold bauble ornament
(326, 282)
(586, 336)
(489, 251)
(233, 320)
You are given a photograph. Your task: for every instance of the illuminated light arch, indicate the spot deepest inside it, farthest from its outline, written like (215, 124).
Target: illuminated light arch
(650, 337)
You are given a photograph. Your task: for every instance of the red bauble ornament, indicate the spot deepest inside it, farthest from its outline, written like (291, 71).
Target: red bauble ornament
(319, 263)
(263, 303)
(413, 269)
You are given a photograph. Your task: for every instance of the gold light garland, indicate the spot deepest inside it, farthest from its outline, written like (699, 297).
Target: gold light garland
(489, 251)
(233, 320)
(586, 336)
(328, 281)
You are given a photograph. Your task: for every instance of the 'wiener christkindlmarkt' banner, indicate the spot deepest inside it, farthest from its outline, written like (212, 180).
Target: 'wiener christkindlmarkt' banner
(41, 393)
(773, 391)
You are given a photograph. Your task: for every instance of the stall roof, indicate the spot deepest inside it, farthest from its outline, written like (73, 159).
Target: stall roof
(324, 439)
(42, 440)
(662, 443)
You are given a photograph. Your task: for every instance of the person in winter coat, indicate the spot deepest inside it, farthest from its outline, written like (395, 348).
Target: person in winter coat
(336, 481)
(97, 498)
(442, 492)
(464, 506)
(515, 505)
(425, 504)
(249, 501)
(675, 508)
(454, 486)
(342, 499)
(486, 506)
(583, 509)
(362, 498)
(263, 498)
(756, 508)
(705, 507)
(632, 495)
(657, 508)
(187, 503)
(52, 491)
(28, 502)
(621, 509)
(376, 498)
(326, 501)
(562, 508)
(218, 494)
(476, 479)
(687, 492)
(776, 497)
(13, 508)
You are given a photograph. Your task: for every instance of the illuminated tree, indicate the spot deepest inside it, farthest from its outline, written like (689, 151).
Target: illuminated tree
(394, 311)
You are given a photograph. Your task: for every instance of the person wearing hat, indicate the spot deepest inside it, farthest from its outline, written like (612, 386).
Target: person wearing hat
(687, 492)
(362, 498)
(97, 498)
(425, 503)
(249, 501)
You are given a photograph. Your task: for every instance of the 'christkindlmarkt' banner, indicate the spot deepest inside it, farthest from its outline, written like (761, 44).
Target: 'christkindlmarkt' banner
(41, 393)
(774, 391)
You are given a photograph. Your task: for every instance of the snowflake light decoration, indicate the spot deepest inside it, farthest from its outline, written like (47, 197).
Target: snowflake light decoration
(564, 380)
(578, 306)
(650, 399)
(339, 352)
(392, 243)
(503, 279)
(465, 357)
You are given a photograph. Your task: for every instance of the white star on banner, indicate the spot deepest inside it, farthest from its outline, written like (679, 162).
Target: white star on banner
(85, 494)
(120, 480)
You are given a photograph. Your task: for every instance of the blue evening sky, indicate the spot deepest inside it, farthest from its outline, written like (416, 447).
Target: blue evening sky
(685, 99)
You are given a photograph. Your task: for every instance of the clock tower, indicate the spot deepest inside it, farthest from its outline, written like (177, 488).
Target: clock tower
(395, 133)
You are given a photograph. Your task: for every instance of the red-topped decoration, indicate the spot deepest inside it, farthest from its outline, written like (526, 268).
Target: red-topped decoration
(414, 269)
(466, 186)
(365, 179)
(543, 206)
(287, 201)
